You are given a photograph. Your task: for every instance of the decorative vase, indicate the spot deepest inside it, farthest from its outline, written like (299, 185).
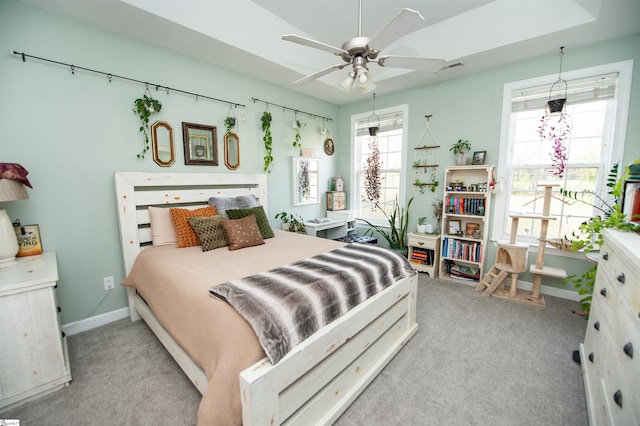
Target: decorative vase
(429, 228)
(422, 229)
(461, 159)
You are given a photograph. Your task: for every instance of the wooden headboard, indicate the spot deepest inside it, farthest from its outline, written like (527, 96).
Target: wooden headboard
(136, 191)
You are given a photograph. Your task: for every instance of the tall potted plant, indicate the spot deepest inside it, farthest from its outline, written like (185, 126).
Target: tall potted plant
(396, 234)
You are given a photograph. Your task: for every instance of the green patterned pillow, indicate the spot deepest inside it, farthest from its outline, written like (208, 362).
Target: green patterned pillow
(209, 231)
(261, 219)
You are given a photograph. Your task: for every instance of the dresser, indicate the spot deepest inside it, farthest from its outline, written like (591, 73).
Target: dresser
(33, 350)
(424, 250)
(610, 355)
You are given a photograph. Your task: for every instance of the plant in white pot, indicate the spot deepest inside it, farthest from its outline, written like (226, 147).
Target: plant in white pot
(422, 225)
(460, 150)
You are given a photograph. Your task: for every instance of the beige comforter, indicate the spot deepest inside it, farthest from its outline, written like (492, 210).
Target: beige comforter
(175, 283)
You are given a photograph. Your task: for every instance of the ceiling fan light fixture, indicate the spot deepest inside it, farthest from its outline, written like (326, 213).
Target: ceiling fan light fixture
(347, 83)
(363, 77)
(369, 87)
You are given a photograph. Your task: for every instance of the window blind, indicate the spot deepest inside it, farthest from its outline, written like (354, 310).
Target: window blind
(578, 91)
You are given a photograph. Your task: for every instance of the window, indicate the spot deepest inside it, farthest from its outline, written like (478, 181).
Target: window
(597, 103)
(392, 143)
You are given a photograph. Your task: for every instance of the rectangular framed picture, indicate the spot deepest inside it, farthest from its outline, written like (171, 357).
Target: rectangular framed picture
(631, 201)
(478, 157)
(454, 226)
(29, 242)
(200, 144)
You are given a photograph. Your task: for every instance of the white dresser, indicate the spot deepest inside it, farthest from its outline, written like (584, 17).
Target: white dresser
(33, 351)
(610, 355)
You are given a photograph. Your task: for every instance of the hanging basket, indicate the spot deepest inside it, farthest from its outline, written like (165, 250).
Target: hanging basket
(557, 105)
(373, 131)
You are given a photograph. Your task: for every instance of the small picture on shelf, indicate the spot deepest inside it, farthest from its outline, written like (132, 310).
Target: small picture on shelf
(454, 227)
(478, 157)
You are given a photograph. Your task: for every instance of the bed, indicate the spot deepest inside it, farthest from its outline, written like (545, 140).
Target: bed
(317, 380)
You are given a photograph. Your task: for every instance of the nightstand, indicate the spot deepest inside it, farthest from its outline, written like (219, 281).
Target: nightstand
(33, 348)
(424, 252)
(348, 215)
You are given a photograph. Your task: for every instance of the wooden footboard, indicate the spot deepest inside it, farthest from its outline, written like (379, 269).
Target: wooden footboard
(323, 375)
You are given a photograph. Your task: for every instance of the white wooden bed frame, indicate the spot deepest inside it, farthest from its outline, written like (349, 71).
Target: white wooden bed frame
(322, 376)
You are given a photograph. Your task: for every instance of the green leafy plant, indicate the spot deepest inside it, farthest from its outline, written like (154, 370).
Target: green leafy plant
(295, 221)
(144, 107)
(296, 141)
(590, 236)
(229, 123)
(422, 220)
(460, 147)
(268, 140)
(398, 222)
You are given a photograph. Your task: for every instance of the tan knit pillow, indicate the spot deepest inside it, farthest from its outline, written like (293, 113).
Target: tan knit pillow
(185, 233)
(241, 233)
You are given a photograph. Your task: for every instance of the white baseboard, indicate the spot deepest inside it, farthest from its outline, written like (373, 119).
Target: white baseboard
(551, 291)
(93, 322)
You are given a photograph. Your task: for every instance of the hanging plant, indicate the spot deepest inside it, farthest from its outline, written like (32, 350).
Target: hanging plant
(268, 140)
(557, 132)
(305, 185)
(372, 180)
(144, 107)
(297, 125)
(229, 123)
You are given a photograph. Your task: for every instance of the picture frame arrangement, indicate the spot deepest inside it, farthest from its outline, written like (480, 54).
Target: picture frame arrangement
(478, 158)
(29, 242)
(200, 144)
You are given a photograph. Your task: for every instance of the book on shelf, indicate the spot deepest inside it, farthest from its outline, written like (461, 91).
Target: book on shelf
(470, 206)
(463, 250)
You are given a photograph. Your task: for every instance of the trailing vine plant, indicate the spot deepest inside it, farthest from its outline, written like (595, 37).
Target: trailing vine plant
(229, 123)
(557, 132)
(144, 107)
(268, 140)
(296, 140)
(305, 184)
(372, 179)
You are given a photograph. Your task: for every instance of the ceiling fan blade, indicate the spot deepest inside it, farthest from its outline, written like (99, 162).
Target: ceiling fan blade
(315, 44)
(422, 64)
(319, 74)
(403, 23)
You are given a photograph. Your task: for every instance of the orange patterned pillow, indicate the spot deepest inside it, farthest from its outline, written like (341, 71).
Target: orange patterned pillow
(241, 233)
(185, 233)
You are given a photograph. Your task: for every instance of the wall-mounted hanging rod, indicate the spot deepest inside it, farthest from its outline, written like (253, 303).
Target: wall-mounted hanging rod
(111, 76)
(291, 109)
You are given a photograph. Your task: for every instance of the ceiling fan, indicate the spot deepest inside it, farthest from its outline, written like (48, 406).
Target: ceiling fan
(359, 51)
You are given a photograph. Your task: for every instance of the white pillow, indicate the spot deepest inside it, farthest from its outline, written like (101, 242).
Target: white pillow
(162, 230)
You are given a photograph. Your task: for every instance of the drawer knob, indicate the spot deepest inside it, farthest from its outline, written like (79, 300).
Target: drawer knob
(421, 243)
(596, 325)
(59, 309)
(621, 278)
(605, 256)
(617, 397)
(591, 357)
(604, 291)
(628, 350)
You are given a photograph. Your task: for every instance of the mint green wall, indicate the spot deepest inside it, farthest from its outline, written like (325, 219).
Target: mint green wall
(72, 132)
(471, 108)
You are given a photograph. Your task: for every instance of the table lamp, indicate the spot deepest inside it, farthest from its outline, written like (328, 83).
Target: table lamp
(10, 190)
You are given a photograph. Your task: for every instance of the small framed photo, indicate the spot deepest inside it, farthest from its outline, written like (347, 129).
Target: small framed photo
(200, 144)
(29, 242)
(631, 201)
(454, 227)
(478, 157)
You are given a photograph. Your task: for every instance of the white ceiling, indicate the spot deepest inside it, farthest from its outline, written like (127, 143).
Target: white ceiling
(245, 35)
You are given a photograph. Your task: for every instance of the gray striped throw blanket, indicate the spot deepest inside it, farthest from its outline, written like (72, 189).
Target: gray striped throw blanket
(290, 303)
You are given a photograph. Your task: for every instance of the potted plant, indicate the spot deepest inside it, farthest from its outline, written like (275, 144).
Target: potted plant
(634, 168)
(398, 222)
(292, 223)
(460, 150)
(297, 125)
(590, 239)
(267, 139)
(229, 123)
(144, 107)
(422, 225)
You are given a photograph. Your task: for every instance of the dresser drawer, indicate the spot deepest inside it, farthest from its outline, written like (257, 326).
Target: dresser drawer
(620, 404)
(625, 343)
(605, 293)
(596, 343)
(621, 275)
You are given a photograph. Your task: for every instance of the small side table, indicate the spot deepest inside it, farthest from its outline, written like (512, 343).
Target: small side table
(424, 252)
(33, 348)
(334, 228)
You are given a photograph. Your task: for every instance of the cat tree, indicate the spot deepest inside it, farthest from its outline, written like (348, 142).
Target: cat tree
(511, 258)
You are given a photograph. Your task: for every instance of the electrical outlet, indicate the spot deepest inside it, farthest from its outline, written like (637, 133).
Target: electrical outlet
(108, 283)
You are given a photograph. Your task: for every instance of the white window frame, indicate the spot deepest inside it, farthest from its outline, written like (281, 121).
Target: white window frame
(625, 73)
(354, 197)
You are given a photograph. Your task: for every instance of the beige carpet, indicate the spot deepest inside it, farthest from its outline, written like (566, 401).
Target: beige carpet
(474, 361)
